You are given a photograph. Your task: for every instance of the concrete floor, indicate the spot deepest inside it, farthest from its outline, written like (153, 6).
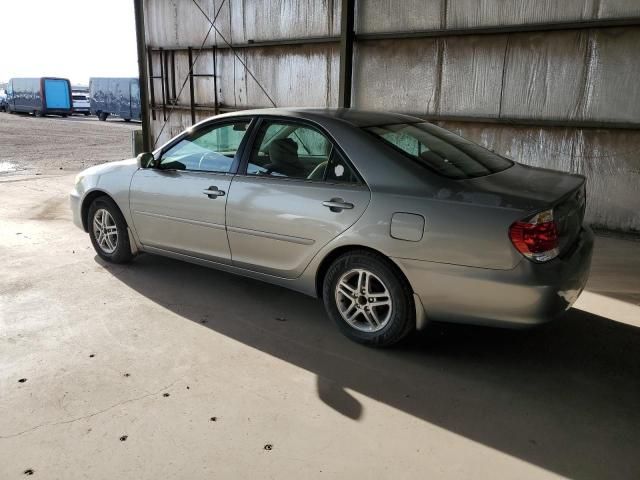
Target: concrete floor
(162, 369)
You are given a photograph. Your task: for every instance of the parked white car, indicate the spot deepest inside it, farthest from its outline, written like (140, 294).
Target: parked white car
(80, 102)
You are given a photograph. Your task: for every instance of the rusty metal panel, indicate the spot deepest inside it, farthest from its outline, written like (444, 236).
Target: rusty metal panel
(618, 8)
(204, 87)
(264, 20)
(544, 75)
(304, 75)
(607, 158)
(397, 75)
(182, 71)
(179, 121)
(177, 23)
(231, 79)
(610, 161)
(374, 16)
(472, 75)
(611, 91)
(489, 13)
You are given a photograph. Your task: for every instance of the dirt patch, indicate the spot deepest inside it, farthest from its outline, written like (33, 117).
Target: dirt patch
(31, 145)
(54, 208)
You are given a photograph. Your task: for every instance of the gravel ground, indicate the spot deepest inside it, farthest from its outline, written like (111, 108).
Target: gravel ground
(31, 145)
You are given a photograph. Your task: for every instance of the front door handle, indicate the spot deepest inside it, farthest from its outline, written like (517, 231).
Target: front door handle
(213, 192)
(337, 205)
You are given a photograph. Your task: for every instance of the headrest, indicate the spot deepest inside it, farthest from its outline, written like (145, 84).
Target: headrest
(283, 150)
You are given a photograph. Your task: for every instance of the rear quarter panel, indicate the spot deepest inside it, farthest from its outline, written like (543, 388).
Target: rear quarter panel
(460, 233)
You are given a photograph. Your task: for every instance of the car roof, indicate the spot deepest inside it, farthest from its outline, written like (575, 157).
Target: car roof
(355, 117)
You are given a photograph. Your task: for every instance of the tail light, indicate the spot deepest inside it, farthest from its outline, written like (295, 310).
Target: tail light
(537, 237)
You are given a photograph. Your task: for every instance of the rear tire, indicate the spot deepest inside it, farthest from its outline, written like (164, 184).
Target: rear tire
(102, 116)
(108, 231)
(369, 299)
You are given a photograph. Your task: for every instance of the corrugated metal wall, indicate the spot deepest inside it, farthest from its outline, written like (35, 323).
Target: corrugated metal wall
(547, 82)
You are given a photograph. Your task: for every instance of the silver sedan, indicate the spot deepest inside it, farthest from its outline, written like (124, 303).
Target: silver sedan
(390, 220)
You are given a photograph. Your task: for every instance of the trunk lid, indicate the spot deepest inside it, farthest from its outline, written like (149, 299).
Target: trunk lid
(532, 189)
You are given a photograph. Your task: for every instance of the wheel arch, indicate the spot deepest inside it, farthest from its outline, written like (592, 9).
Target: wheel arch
(88, 200)
(341, 250)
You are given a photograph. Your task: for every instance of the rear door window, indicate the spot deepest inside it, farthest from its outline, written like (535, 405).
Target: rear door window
(298, 151)
(440, 150)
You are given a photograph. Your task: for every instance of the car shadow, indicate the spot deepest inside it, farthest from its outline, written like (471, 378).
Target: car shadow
(564, 396)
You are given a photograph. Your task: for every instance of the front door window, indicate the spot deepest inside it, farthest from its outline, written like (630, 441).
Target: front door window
(210, 149)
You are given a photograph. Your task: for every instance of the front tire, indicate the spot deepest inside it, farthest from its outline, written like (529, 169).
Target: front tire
(108, 231)
(369, 299)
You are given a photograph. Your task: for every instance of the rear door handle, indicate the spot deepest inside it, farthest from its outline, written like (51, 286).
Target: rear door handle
(337, 205)
(213, 192)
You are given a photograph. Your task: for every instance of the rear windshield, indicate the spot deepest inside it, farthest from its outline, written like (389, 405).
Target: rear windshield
(440, 150)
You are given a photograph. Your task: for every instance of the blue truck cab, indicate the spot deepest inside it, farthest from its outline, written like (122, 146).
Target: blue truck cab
(40, 96)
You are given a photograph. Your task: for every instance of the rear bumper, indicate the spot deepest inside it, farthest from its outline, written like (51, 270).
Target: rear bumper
(527, 295)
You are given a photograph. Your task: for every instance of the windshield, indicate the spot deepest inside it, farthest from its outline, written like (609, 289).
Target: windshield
(440, 150)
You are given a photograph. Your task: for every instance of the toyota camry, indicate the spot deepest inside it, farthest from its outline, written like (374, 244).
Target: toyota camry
(391, 221)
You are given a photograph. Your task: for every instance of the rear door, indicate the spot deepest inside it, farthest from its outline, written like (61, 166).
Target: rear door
(179, 205)
(297, 193)
(57, 94)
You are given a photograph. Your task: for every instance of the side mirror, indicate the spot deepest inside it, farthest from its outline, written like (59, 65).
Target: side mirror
(145, 160)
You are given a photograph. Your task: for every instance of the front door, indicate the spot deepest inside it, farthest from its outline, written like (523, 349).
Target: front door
(179, 205)
(297, 195)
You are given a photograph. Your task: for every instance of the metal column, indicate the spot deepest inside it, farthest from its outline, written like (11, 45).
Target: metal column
(347, 36)
(143, 74)
(192, 102)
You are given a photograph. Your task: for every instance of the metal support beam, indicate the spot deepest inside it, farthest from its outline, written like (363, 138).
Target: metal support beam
(143, 75)
(284, 42)
(164, 98)
(347, 37)
(497, 30)
(192, 100)
(166, 77)
(174, 95)
(215, 79)
(152, 96)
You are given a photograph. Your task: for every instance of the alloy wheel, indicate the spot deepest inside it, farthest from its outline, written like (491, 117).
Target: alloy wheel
(363, 300)
(105, 231)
